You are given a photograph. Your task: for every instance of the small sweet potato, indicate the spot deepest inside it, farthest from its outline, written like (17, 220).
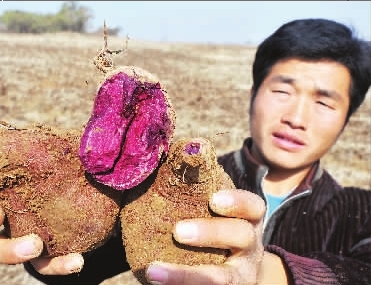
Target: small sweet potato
(179, 189)
(44, 190)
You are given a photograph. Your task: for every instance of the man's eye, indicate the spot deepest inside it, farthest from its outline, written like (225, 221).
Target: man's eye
(280, 91)
(324, 104)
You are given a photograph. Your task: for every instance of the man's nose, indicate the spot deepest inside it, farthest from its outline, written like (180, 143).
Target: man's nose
(297, 114)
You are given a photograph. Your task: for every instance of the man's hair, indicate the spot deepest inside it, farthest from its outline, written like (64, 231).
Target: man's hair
(317, 39)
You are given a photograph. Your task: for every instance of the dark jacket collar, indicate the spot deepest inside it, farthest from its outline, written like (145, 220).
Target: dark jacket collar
(251, 166)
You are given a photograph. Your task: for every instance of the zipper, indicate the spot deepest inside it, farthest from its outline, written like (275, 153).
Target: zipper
(268, 227)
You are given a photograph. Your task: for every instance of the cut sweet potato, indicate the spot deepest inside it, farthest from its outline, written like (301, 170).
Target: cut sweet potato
(130, 128)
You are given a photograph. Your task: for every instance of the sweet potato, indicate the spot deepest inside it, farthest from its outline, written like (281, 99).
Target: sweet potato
(62, 184)
(179, 189)
(44, 190)
(130, 128)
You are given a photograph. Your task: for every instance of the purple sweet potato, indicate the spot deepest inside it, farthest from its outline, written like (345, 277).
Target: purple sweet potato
(179, 189)
(129, 131)
(44, 190)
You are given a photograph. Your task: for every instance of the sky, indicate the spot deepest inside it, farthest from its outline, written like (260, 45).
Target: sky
(221, 22)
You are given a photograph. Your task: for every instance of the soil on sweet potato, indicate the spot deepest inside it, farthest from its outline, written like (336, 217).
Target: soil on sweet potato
(179, 189)
(45, 190)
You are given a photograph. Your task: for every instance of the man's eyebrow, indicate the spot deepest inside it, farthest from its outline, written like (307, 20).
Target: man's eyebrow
(329, 93)
(282, 79)
(320, 91)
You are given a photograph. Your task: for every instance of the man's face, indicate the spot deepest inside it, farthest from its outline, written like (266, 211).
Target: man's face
(298, 113)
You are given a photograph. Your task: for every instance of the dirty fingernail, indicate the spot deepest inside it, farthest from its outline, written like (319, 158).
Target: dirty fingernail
(186, 231)
(157, 274)
(28, 247)
(222, 199)
(74, 264)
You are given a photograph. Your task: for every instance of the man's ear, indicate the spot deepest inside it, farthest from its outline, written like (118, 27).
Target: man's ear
(252, 92)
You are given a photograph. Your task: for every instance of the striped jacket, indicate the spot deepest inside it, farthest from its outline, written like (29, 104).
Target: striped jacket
(322, 231)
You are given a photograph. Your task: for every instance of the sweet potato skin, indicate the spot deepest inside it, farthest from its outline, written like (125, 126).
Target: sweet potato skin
(45, 190)
(179, 189)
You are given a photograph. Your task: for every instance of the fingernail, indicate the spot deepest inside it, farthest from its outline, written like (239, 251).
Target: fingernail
(157, 274)
(27, 247)
(186, 231)
(74, 264)
(222, 199)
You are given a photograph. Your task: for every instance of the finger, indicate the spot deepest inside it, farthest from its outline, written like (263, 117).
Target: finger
(18, 250)
(60, 265)
(227, 233)
(239, 204)
(174, 274)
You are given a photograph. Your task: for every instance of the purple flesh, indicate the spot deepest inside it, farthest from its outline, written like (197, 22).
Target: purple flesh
(127, 132)
(192, 148)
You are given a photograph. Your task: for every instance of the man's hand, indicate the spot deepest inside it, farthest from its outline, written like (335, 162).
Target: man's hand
(28, 248)
(240, 230)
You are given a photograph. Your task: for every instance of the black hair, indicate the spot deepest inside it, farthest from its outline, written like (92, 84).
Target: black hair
(317, 39)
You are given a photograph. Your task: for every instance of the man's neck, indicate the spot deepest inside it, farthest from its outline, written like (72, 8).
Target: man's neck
(280, 182)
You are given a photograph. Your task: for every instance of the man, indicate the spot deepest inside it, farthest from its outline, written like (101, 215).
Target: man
(308, 78)
(295, 224)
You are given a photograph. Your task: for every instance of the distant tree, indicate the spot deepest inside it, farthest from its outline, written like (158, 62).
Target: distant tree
(71, 17)
(21, 22)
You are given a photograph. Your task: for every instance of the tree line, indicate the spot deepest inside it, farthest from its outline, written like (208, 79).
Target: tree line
(71, 17)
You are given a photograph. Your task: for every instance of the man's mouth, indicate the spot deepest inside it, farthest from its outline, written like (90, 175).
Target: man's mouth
(287, 141)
